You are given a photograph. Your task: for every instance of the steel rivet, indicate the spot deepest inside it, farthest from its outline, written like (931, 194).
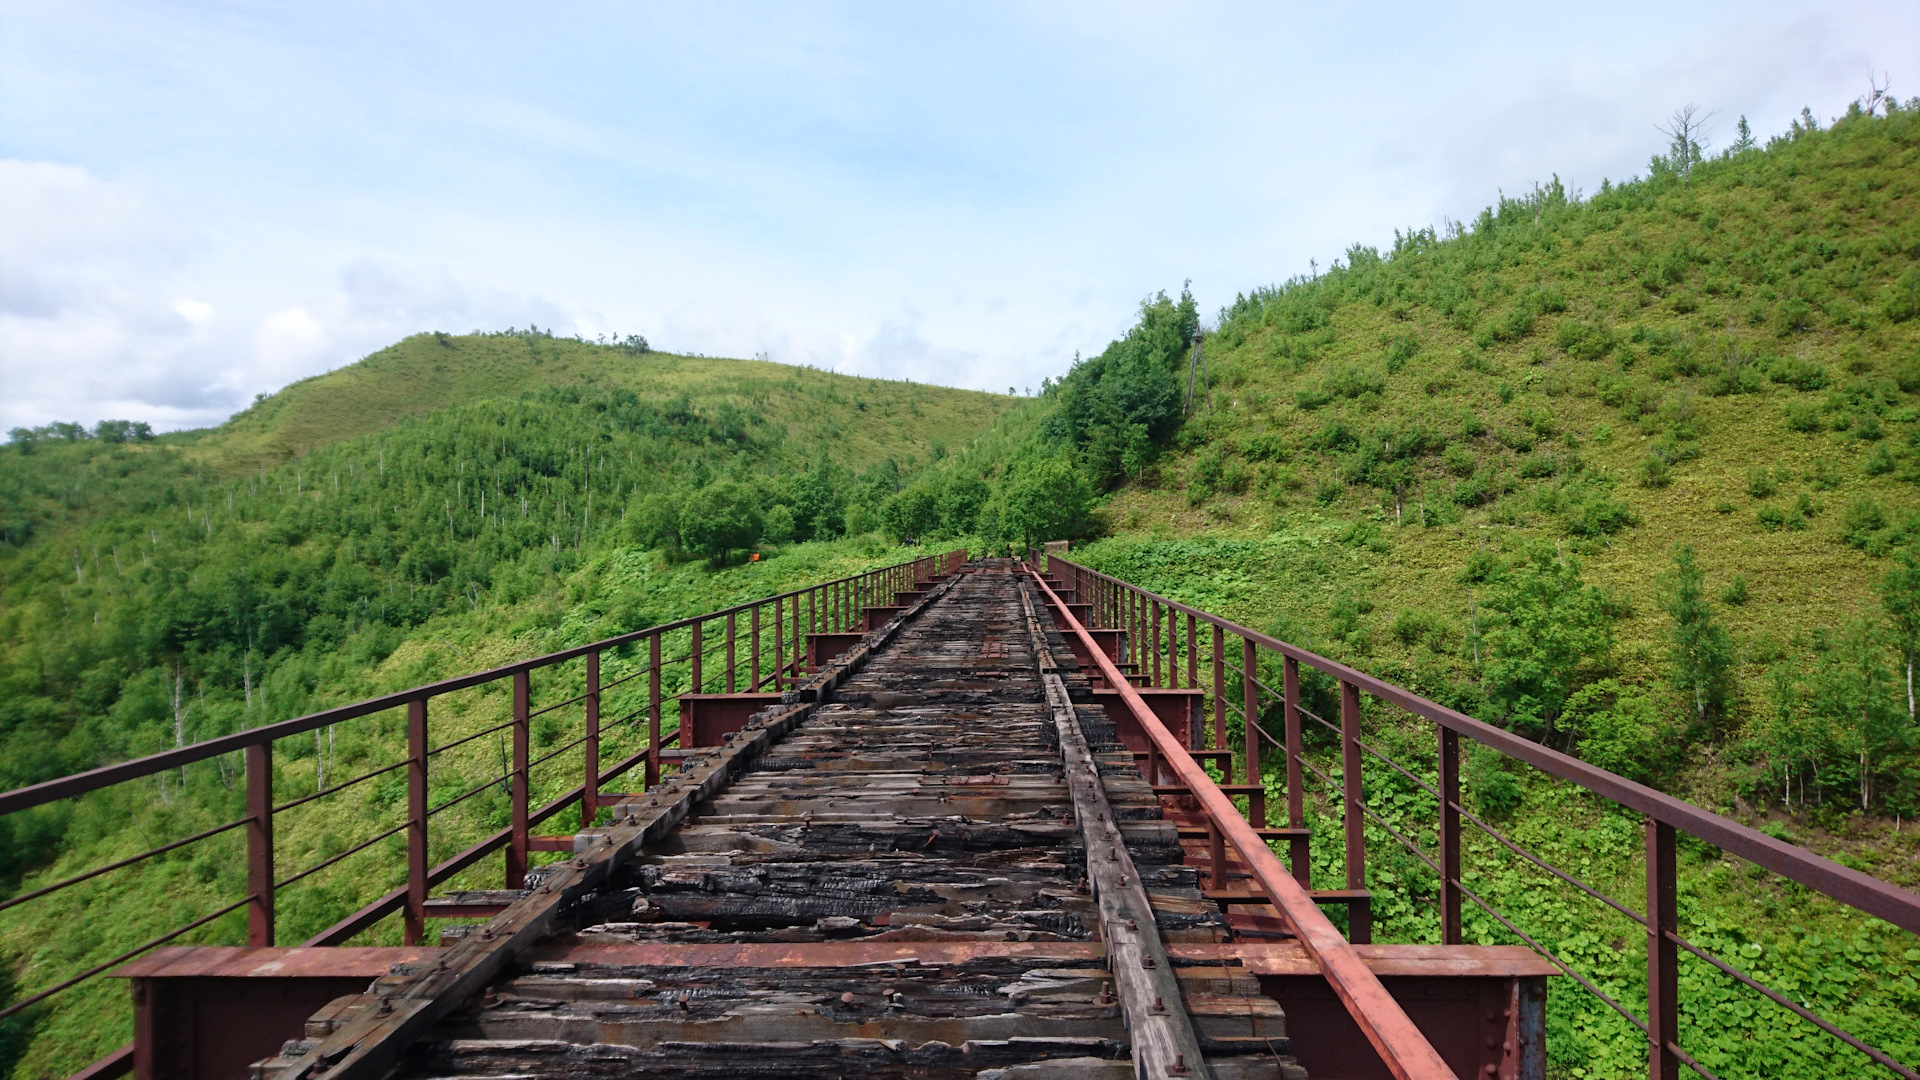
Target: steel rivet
(1158, 1005)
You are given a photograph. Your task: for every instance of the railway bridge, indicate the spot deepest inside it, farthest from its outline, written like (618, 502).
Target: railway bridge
(946, 819)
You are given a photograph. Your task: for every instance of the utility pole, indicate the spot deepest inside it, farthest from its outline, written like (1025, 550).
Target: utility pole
(1197, 367)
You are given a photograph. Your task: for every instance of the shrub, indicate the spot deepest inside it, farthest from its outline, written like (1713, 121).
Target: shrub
(1412, 626)
(1802, 416)
(1862, 526)
(1655, 472)
(1600, 515)
(1399, 351)
(1760, 483)
(1880, 462)
(1736, 591)
(1620, 729)
(1794, 315)
(1771, 517)
(1797, 373)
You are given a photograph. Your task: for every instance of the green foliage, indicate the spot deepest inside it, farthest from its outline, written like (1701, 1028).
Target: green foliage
(1115, 410)
(1736, 591)
(1702, 654)
(1043, 499)
(1622, 729)
(1552, 629)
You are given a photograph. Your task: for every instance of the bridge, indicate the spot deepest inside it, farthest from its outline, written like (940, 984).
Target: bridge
(943, 819)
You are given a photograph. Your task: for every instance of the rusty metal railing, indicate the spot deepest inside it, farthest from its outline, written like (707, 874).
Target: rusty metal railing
(759, 646)
(1151, 622)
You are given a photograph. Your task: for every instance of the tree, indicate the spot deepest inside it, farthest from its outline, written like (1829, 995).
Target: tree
(1900, 596)
(1702, 654)
(720, 518)
(1687, 128)
(1044, 499)
(910, 514)
(1849, 690)
(1744, 142)
(1551, 625)
(961, 498)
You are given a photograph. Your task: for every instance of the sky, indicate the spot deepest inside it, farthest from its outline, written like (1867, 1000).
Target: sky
(201, 202)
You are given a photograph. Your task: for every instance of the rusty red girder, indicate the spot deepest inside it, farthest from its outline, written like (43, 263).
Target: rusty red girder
(1393, 1035)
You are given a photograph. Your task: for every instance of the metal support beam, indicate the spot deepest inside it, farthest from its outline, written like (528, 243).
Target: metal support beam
(259, 764)
(1663, 956)
(1404, 1050)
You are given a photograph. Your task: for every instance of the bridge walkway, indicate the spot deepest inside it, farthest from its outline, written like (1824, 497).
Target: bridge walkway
(898, 886)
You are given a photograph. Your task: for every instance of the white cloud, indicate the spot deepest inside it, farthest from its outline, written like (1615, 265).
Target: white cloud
(206, 205)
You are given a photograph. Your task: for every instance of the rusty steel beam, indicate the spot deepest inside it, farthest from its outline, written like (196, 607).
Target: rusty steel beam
(1402, 1048)
(1163, 1036)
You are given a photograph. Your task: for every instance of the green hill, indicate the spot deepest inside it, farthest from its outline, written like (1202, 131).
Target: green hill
(1633, 474)
(446, 504)
(862, 420)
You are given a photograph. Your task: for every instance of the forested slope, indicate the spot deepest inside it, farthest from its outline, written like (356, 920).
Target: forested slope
(447, 504)
(1634, 473)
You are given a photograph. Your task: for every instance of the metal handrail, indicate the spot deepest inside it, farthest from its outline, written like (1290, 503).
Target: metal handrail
(1664, 814)
(1400, 1044)
(107, 775)
(857, 593)
(1869, 894)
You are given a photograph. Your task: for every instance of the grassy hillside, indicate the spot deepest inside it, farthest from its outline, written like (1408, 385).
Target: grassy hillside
(1471, 464)
(443, 506)
(863, 420)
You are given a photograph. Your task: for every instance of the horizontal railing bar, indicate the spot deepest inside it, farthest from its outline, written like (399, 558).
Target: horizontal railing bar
(1549, 867)
(556, 753)
(481, 734)
(128, 861)
(1880, 1057)
(67, 787)
(1470, 816)
(1551, 957)
(1687, 1060)
(354, 850)
(391, 902)
(497, 781)
(1380, 1019)
(342, 786)
(122, 958)
(1861, 891)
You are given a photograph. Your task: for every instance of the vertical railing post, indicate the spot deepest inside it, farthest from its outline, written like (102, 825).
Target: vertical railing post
(1449, 836)
(590, 783)
(1155, 631)
(753, 652)
(517, 786)
(732, 636)
(1298, 856)
(813, 620)
(1359, 913)
(653, 711)
(415, 917)
(1220, 697)
(259, 763)
(1250, 703)
(1663, 957)
(1193, 662)
(696, 653)
(779, 644)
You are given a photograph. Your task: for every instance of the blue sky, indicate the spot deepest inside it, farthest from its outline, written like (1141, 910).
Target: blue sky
(200, 202)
